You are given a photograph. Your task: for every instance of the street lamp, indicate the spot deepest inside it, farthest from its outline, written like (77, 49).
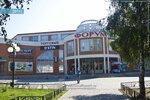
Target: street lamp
(13, 49)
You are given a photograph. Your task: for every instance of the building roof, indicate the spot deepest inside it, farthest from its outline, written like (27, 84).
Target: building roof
(89, 26)
(44, 32)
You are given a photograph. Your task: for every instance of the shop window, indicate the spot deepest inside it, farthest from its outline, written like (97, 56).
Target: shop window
(45, 62)
(61, 61)
(91, 45)
(22, 66)
(70, 47)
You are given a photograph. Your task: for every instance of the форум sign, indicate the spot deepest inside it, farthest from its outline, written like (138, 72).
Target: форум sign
(90, 34)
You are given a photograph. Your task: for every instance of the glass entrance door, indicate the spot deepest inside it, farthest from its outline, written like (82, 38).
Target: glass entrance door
(91, 65)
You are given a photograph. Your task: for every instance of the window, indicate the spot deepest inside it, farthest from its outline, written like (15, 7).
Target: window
(61, 67)
(63, 36)
(22, 66)
(34, 38)
(70, 47)
(54, 37)
(44, 37)
(91, 44)
(25, 38)
(110, 48)
(45, 62)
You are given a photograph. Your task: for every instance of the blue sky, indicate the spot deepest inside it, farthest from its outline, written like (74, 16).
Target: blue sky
(55, 15)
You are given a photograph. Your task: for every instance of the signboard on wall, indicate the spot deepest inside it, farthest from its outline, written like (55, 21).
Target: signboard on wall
(25, 50)
(51, 47)
(50, 43)
(24, 53)
(23, 66)
(90, 34)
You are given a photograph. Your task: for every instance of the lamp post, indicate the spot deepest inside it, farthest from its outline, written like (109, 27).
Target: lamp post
(13, 49)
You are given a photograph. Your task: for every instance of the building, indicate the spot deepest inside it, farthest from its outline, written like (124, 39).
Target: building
(86, 49)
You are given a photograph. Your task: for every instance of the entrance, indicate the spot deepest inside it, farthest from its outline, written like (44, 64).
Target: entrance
(91, 65)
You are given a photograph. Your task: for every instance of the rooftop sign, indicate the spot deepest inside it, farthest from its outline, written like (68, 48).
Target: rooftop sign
(90, 34)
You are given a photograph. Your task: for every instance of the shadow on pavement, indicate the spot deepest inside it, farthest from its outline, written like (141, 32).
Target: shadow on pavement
(101, 97)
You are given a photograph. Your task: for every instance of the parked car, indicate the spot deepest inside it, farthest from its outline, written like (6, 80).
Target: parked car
(118, 67)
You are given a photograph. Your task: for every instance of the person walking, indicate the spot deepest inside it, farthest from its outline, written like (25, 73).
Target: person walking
(78, 76)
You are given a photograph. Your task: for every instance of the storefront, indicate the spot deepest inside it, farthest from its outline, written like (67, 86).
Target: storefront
(88, 50)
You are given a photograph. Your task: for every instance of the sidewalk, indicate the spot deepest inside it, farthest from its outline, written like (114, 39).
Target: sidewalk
(106, 88)
(93, 95)
(102, 87)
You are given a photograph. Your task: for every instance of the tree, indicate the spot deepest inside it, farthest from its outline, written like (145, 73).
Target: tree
(128, 26)
(4, 17)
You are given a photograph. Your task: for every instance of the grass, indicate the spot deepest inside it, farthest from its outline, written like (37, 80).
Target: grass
(11, 93)
(58, 96)
(7, 93)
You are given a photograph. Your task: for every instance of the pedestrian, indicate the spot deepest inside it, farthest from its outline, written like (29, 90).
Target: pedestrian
(78, 76)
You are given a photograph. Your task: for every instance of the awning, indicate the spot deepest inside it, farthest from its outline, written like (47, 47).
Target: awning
(2, 60)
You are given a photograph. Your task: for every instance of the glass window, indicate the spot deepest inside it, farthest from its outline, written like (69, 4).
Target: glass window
(44, 37)
(54, 37)
(34, 38)
(63, 36)
(25, 38)
(70, 47)
(91, 44)
(22, 66)
(61, 67)
(45, 62)
(110, 48)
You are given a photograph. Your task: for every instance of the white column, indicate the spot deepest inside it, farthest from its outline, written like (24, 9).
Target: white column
(104, 54)
(75, 56)
(108, 62)
(65, 60)
(105, 65)
(78, 54)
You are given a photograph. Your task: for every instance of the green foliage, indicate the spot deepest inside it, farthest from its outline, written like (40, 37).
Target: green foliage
(11, 93)
(9, 4)
(128, 26)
